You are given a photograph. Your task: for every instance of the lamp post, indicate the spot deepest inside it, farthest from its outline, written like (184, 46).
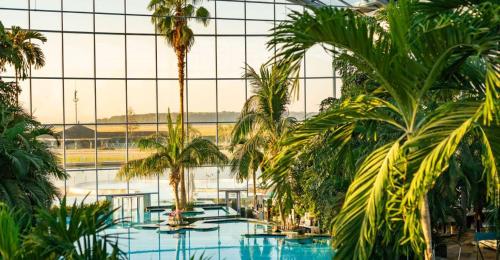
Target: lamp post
(75, 99)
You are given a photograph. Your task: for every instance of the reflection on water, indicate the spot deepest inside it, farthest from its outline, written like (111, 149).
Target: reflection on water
(225, 243)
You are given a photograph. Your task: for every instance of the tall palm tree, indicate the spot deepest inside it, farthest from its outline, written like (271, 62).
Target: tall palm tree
(26, 51)
(264, 121)
(246, 161)
(420, 50)
(172, 154)
(28, 166)
(171, 18)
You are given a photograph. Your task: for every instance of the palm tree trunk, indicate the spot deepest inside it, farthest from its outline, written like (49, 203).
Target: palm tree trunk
(254, 190)
(180, 66)
(176, 195)
(425, 222)
(282, 215)
(17, 87)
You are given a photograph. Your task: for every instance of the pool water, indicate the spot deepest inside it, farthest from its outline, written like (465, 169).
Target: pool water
(227, 243)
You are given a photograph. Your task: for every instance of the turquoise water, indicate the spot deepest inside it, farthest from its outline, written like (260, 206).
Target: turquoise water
(227, 242)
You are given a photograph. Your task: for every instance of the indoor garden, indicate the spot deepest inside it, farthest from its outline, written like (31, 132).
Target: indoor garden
(249, 129)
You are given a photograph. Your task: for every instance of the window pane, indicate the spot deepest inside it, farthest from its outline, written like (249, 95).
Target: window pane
(80, 5)
(24, 97)
(231, 94)
(111, 101)
(318, 62)
(45, 20)
(46, 4)
(257, 53)
(12, 17)
(110, 52)
(15, 3)
(230, 57)
(201, 101)
(79, 101)
(230, 27)
(205, 131)
(228, 181)
(141, 56)
(141, 101)
(109, 6)
(9, 72)
(201, 58)
(200, 28)
(224, 132)
(80, 184)
(110, 146)
(135, 133)
(80, 146)
(108, 183)
(282, 11)
(297, 106)
(168, 98)
(203, 183)
(317, 91)
(167, 60)
(226, 9)
(138, 6)
(53, 144)
(47, 100)
(52, 51)
(260, 11)
(109, 23)
(259, 27)
(139, 24)
(78, 22)
(78, 55)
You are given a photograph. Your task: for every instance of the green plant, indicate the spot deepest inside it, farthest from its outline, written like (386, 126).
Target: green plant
(76, 232)
(262, 124)
(190, 206)
(172, 154)
(27, 163)
(434, 65)
(10, 242)
(247, 158)
(171, 18)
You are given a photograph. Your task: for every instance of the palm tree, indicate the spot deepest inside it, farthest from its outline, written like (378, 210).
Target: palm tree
(246, 161)
(421, 51)
(5, 47)
(173, 155)
(27, 164)
(263, 122)
(25, 51)
(171, 17)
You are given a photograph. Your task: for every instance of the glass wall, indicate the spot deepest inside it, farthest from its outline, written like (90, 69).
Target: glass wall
(110, 79)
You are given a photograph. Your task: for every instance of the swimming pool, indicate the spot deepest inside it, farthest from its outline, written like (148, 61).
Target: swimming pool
(227, 242)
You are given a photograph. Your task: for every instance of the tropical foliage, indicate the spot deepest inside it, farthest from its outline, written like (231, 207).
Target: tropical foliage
(172, 154)
(75, 232)
(262, 124)
(21, 50)
(434, 66)
(171, 17)
(28, 166)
